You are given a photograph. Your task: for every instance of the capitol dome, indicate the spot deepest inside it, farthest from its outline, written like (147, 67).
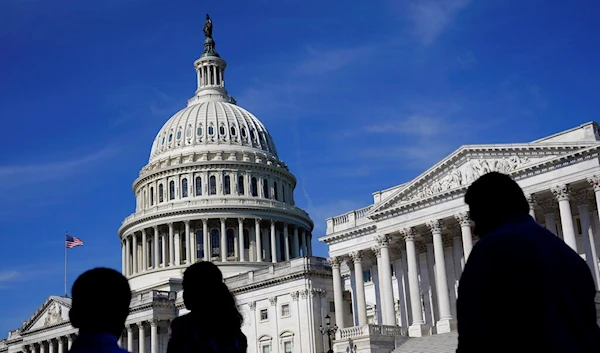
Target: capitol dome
(211, 125)
(214, 189)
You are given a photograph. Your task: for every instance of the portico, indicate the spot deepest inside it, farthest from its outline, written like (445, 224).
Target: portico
(401, 258)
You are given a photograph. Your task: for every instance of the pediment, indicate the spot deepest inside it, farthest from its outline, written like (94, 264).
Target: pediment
(468, 163)
(53, 312)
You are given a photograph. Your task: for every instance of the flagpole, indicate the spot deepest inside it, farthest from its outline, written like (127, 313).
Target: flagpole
(65, 245)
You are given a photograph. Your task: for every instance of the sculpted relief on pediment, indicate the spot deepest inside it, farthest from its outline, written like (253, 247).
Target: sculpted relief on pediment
(50, 314)
(469, 172)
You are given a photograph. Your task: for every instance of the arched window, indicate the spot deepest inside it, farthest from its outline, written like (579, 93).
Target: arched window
(246, 239)
(144, 200)
(184, 187)
(275, 193)
(266, 188)
(212, 185)
(171, 190)
(222, 130)
(241, 184)
(211, 130)
(226, 185)
(215, 243)
(233, 131)
(198, 186)
(254, 187)
(283, 191)
(199, 245)
(160, 193)
(230, 242)
(152, 196)
(281, 247)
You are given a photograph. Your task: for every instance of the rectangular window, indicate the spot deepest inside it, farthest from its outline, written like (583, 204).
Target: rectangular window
(393, 270)
(266, 348)
(264, 315)
(285, 310)
(367, 276)
(332, 307)
(578, 225)
(287, 347)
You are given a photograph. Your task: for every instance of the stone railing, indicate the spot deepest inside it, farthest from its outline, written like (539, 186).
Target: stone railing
(348, 220)
(216, 201)
(153, 296)
(293, 266)
(367, 331)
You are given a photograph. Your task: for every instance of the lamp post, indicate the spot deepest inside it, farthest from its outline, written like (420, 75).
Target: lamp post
(329, 331)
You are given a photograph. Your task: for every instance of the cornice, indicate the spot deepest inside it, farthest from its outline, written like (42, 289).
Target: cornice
(210, 213)
(349, 233)
(523, 172)
(280, 280)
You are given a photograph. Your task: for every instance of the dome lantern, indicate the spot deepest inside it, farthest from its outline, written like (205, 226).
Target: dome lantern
(210, 72)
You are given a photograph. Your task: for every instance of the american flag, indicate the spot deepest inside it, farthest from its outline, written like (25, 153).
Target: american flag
(72, 242)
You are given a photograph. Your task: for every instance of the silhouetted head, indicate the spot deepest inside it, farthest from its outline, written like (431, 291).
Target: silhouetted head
(207, 17)
(100, 301)
(492, 199)
(204, 292)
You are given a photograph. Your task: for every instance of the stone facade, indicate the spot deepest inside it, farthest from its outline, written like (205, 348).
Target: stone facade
(400, 259)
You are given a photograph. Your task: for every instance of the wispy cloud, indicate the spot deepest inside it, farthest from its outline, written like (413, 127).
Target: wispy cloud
(51, 170)
(430, 18)
(7, 276)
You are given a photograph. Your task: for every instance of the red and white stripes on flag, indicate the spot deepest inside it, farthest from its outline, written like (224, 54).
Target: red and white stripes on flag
(72, 242)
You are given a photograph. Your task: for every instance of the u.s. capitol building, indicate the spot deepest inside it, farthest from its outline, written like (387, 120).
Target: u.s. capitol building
(214, 189)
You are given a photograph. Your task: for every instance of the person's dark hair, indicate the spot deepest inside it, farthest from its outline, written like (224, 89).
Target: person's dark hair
(492, 199)
(100, 301)
(205, 293)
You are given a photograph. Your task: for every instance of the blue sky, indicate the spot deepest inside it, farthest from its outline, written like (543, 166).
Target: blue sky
(359, 96)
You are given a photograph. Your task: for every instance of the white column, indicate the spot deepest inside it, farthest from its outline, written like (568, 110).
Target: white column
(124, 258)
(135, 253)
(50, 346)
(561, 192)
(296, 243)
(69, 342)
(377, 252)
(144, 250)
(155, 250)
(141, 338)
(273, 243)
(532, 202)
(223, 241)
(417, 328)
(129, 338)
(446, 322)
(42, 347)
(188, 244)
(241, 249)
(386, 277)
(193, 246)
(286, 240)
(163, 240)
(588, 240)
(304, 246)
(171, 245)
(465, 230)
(258, 236)
(206, 240)
(338, 295)
(356, 257)
(153, 337)
(127, 255)
(61, 345)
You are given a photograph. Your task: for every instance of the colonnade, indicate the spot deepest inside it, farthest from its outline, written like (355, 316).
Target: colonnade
(223, 239)
(126, 341)
(407, 241)
(59, 344)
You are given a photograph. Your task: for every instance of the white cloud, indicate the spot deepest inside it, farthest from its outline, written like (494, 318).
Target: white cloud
(430, 18)
(51, 170)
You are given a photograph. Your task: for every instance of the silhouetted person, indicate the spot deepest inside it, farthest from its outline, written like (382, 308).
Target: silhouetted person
(214, 322)
(523, 289)
(99, 307)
